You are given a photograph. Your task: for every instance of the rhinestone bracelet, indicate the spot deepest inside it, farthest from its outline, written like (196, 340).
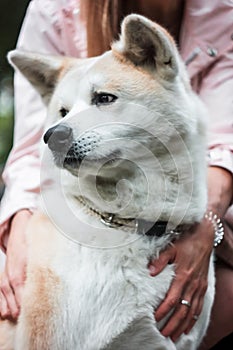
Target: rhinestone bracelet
(218, 227)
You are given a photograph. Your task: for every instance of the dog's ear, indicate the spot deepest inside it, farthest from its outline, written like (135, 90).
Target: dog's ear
(40, 70)
(147, 44)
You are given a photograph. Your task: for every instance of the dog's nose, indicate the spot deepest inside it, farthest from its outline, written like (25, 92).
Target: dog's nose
(58, 137)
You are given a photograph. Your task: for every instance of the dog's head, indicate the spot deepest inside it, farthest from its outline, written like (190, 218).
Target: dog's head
(128, 114)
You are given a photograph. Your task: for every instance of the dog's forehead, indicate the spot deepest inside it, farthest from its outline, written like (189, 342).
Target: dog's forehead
(115, 73)
(72, 79)
(106, 72)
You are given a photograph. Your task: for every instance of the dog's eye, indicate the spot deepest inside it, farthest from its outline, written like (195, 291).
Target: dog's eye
(103, 98)
(63, 112)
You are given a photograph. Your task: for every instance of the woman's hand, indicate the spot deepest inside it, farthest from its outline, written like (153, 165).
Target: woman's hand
(13, 277)
(191, 256)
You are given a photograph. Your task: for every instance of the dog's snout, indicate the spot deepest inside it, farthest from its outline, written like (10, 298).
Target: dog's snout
(58, 137)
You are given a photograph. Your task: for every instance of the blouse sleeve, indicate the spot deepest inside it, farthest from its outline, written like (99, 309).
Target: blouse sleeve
(217, 93)
(21, 175)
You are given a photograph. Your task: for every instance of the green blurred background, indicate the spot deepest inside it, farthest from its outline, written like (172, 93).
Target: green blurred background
(11, 16)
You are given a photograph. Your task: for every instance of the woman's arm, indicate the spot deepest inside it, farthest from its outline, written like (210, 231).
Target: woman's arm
(21, 174)
(39, 33)
(14, 273)
(54, 28)
(191, 256)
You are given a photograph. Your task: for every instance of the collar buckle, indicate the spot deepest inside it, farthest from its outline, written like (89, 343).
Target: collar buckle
(109, 221)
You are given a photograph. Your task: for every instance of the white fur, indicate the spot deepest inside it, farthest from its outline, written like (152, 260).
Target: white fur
(79, 296)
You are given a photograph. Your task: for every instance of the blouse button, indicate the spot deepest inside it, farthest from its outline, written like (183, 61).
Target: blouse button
(76, 11)
(212, 52)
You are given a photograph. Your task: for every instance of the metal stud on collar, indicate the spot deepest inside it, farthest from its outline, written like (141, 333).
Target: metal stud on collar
(111, 221)
(108, 221)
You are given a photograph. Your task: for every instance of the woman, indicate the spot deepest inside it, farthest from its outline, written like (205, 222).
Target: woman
(203, 32)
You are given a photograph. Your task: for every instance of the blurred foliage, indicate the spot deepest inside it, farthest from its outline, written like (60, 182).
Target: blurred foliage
(6, 127)
(11, 17)
(6, 118)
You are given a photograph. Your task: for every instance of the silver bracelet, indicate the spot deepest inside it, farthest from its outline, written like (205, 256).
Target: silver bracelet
(218, 227)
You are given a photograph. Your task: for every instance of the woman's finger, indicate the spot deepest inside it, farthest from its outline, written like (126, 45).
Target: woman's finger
(177, 323)
(184, 304)
(201, 287)
(172, 298)
(196, 313)
(193, 301)
(18, 291)
(16, 261)
(8, 298)
(16, 276)
(189, 320)
(4, 310)
(166, 257)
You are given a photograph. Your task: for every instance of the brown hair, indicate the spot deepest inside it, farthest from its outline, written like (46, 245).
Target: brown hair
(102, 19)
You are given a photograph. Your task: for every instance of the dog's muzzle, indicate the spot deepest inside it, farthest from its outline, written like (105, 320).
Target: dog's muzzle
(81, 148)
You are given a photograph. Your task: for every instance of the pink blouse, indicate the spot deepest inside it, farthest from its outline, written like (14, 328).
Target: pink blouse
(55, 27)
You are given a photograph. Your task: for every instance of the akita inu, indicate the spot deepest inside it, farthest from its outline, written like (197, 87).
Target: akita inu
(127, 137)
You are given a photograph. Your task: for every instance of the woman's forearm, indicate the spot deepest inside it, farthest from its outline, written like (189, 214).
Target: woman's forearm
(220, 190)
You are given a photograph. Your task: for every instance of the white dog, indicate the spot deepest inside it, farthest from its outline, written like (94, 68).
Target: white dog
(127, 136)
